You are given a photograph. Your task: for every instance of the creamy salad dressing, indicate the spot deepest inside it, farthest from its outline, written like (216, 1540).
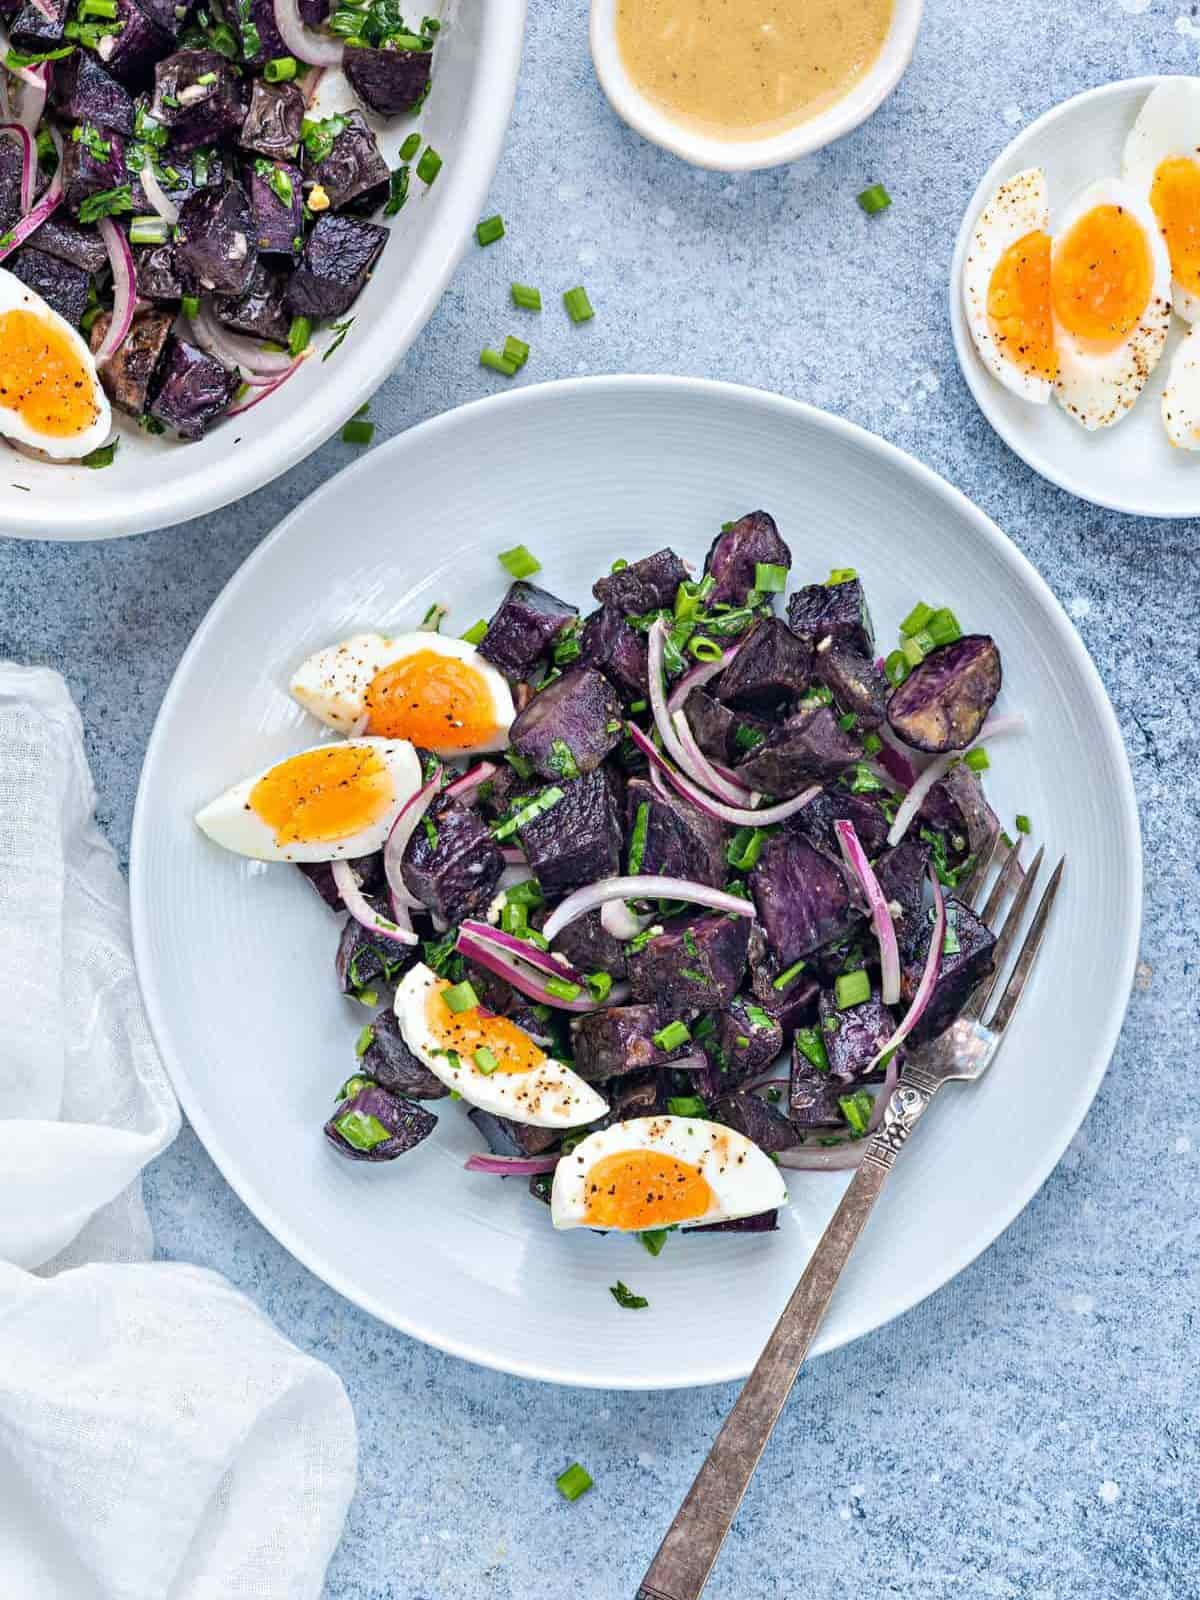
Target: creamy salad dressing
(746, 69)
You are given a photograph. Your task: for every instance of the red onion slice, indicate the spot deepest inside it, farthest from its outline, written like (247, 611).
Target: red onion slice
(915, 798)
(235, 351)
(619, 922)
(21, 134)
(697, 677)
(157, 196)
(716, 780)
(855, 858)
(512, 1166)
(32, 220)
(124, 288)
(403, 828)
(317, 49)
(699, 770)
(263, 391)
(532, 984)
(553, 966)
(462, 788)
(361, 909)
(739, 816)
(33, 96)
(933, 962)
(597, 894)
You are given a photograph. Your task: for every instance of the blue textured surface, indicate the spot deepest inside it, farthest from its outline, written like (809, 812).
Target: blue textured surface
(1030, 1433)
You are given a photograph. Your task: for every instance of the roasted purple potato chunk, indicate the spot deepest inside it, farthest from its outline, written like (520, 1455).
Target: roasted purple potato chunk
(737, 550)
(617, 1040)
(833, 611)
(771, 666)
(364, 959)
(525, 625)
(194, 390)
(758, 1120)
(452, 865)
(589, 947)
(943, 703)
(160, 275)
(386, 79)
(696, 963)
(570, 726)
(271, 126)
(810, 746)
(507, 1138)
(804, 898)
(61, 285)
(960, 970)
(39, 27)
(137, 42)
(760, 1222)
(68, 241)
(196, 97)
(276, 206)
(955, 809)
(258, 311)
(608, 643)
(813, 1093)
(740, 1043)
(216, 238)
(902, 873)
(90, 167)
(816, 820)
(338, 257)
(392, 1065)
(645, 585)
(854, 1036)
(377, 1125)
(675, 838)
(128, 374)
(353, 167)
(578, 840)
(856, 683)
(368, 873)
(84, 92)
(723, 734)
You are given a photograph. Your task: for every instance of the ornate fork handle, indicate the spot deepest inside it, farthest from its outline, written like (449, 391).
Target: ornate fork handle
(685, 1558)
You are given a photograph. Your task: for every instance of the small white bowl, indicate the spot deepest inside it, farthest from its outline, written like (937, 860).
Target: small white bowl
(745, 155)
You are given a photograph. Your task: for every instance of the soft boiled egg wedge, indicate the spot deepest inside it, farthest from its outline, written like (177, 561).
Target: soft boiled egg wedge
(50, 396)
(1006, 287)
(653, 1172)
(490, 1061)
(325, 803)
(1162, 165)
(1181, 397)
(438, 692)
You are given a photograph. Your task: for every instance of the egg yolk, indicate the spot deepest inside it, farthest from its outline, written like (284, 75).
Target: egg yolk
(43, 378)
(468, 1031)
(433, 700)
(1101, 276)
(1175, 201)
(636, 1189)
(1018, 306)
(323, 795)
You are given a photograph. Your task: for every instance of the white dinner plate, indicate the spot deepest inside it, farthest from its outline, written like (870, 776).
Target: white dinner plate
(1131, 466)
(236, 957)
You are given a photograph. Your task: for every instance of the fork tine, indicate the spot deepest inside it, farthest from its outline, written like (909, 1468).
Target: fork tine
(974, 884)
(1007, 934)
(1024, 964)
(1003, 884)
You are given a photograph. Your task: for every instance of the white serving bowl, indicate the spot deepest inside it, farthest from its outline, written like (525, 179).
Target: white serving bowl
(154, 482)
(744, 155)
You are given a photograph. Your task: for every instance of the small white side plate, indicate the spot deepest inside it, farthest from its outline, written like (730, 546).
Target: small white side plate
(1130, 467)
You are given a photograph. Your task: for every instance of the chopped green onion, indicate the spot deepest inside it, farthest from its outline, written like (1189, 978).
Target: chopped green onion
(599, 983)
(769, 578)
(977, 759)
(672, 1036)
(354, 1084)
(811, 1045)
(361, 1130)
(628, 1300)
(429, 165)
(490, 229)
(527, 297)
(846, 722)
(861, 780)
(841, 575)
(704, 648)
(475, 633)
(576, 1479)
(913, 651)
(619, 564)
(358, 431)
(148, 230)
(746, 737)
(636, 707)
(299, 334)
(687, 1105)
(367, 997)
(872, 744)
(561, 989)
(516, 351)
(875, 199)
(99, 8)
(896, 668)
(101, 456)
(518, 562)
(943, 627)
(916, 619)
(191, 306)
(496, 362)
(851, 989)
(410, 147)
(579, 307)
(460, 997)
(788, 976)
(1023, 823)
(745, 848)
(653, 1239)
(637, 839)
(397, 190)
(280, 69)
(856, 1108)
(535, 808)
(363, 1043)
(204, 79)
(485, 1060)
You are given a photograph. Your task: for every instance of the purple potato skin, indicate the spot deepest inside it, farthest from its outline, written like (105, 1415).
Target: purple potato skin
(618, 1040)
(681, 840)
(160, 276)
(958, 974)
(216, 238)
(60, 284)
(128, 374)
(130, 54)
(84, 92)
(577, 841)
(737, 550)
(271, 126)
(387, 80)
(195, 390)
(964, 791)
(457, 876)
(407, 1123)
(902, 872)
(507, 1138)
(69, 241)
(589, 948)
(943, 703)
(696, 964)
(804, 898)
(761, 1222)
(714, 727)
(258, 311)
(338, 258)
(84, 175)
(524, 627)
(816, 820)
(40, 27)
(354, 166)
(745, 1039)
(772, 666)
(389, 1061)
(578, 710)
(813, 1095)
(853, 1037)
(832, 611)
(194, 112)
(758, 1120)
(856, 683)
(794, 1006)
(808, 747)
(363, 959)
(645, 585)
(608, 643)
(277, 226)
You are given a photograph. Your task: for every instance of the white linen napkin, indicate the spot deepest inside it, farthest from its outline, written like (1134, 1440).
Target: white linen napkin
(158, 1439)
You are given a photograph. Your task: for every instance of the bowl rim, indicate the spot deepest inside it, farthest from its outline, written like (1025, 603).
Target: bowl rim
(162, 501)
(982, 386)
(750, 155)
(1125, 810)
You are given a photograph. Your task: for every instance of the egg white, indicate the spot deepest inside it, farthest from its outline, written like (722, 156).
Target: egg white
(16, 296)
(1167, 128)
(743, 1180)
(549, 1095)
(229, 821)
(1018, 207)
(1181, 396)
(1098, 387)
(333, 682)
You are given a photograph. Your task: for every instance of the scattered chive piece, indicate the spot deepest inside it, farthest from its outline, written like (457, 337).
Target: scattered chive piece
(704, 648)
(429, 165)
(562, 989)
(485, 1060)
(361, 1130)
(811, 1045)
(527, 297)
(745, 848)
(619, 564)
(912, 652)
(841, 575)
(516, 351)
(769, 578)
(490, 229)
(687, 1105)
(896, 668)
(672, 1036)
(575, 1480)
(653, 1239)
(637, 706)
(460, 997)
(367, 997)
(299, 334)
(846, 722)
(475, 633)
(410, 147)
(363, 1043)
(397, 191)
(856, 1108)
(872, 744)
(148, 230)
(1023, 823)
(784, 978)
(529, 812)
(579, 307)
(916, 619)
(874, 199)
(101, 456)
(630, 1301)
(352, 1086)
(280, 69)
(599, 983)
(851, 989)
(637, 838)
(518, 562)
(497, 362)
(977, 759)
(358, 431)
(943, 627)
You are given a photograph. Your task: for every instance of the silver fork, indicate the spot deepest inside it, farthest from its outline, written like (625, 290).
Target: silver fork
(685, 1558)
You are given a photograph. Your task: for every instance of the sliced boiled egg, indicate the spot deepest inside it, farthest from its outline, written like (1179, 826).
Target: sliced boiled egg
(1006, 287)
(491, 1062)
(652, 1172)
(1181, 397)
(1162, 165)
(50, 395)
(332, 801)
(438, 692)
(1110, 290)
